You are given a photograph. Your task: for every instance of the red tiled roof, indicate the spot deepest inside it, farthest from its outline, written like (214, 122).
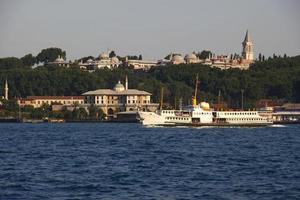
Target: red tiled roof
(56, 97)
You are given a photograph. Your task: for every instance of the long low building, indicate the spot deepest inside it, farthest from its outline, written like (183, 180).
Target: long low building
(120, 99)
(38, 101)
(140, 64)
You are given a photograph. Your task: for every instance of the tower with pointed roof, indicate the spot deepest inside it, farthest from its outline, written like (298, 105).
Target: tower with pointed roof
(247, 52)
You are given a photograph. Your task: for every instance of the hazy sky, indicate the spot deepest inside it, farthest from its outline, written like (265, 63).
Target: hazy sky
(152, 28)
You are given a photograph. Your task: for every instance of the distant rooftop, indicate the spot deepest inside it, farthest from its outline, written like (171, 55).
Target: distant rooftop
(113, 92)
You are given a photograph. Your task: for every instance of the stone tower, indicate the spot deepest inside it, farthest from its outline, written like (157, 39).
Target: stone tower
(6, 90)
(247, 52)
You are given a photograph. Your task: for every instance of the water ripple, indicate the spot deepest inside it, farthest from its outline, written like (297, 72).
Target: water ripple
(128, 161)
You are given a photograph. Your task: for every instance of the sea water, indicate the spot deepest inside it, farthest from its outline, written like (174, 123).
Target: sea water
(129, 161)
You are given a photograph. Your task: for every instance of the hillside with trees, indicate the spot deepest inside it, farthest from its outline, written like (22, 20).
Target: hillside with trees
(273, 78)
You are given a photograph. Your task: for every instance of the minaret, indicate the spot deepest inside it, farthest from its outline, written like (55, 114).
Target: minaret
(247, 52)
(6, 90)
(126, 83)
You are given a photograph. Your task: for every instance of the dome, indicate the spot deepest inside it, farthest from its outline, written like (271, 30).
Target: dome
(103, 56)
(177, 59)
(59, 59)
(115, 59)
(191, 57)
(89, 60)
(119, 87)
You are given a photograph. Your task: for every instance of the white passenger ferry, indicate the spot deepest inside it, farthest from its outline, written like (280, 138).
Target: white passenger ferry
(201, 115)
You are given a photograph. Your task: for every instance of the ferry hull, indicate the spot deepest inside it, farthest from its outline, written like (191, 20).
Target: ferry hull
(218, 125)
(154, 119)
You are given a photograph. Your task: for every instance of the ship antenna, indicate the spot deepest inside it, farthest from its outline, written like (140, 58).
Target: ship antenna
(180, 104)
(219, 100)
(161, 97)
(196, 89)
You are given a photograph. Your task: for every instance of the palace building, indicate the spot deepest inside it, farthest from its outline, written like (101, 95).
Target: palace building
(120, 99)
(140, 64)
(38, 101)
(219, 61)
(242, 61)
(103, 61)
(60, 61)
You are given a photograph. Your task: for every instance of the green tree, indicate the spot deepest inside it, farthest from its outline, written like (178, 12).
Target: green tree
(10, 105)
(28, 60)
(10, 63)
(112, 54)
(95, 112)
(205, 54)
(50, 54)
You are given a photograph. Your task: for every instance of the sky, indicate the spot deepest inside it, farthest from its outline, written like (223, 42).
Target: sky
(152, 28)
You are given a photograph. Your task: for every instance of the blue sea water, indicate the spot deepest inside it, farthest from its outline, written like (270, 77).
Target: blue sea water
(129, 161)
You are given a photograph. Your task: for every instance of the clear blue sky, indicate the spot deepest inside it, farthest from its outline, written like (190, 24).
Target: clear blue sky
(151, 28)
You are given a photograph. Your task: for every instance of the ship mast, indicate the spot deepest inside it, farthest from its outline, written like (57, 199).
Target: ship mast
(194, 100)
(161, 97)
(219, 100)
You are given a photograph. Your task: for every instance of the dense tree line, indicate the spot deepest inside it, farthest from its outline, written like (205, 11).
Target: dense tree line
(274, 78)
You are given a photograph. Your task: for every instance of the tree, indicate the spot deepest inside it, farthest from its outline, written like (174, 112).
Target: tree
(140, 57)
(79, 113)
(50, 54)
(204, 54)
(10, 105)
(95, 112)
(10, 62)
(28, 60)
(112, 54)
(259, 57)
